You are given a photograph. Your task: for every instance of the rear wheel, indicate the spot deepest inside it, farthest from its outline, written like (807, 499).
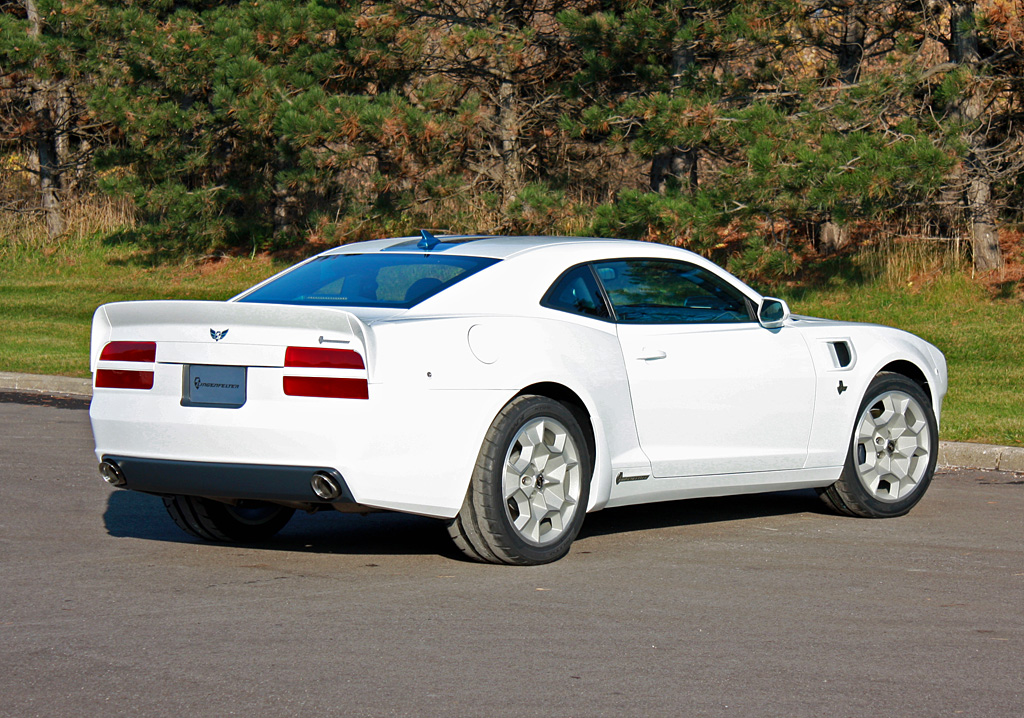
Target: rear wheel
(529, 491)
(892, 453)
(216, 521)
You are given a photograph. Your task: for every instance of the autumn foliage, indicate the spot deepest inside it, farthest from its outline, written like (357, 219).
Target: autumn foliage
(767, 134)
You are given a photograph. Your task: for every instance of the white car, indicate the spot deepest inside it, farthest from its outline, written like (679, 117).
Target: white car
(508, 385)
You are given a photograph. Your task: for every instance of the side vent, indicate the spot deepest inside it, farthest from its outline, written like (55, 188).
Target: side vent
(842, 354)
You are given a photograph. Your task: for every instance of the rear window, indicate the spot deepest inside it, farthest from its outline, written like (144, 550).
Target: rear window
(368, 280)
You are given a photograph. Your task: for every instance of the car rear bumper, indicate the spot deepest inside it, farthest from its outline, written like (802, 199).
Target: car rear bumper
(403, 449)
(227, 480)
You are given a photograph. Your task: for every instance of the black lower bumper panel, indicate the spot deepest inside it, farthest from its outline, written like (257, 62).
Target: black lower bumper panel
(222, 480)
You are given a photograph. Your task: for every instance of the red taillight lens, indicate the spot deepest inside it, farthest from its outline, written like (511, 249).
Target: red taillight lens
(129, 351)
(318, 358)
(116, 379)
(327, 387)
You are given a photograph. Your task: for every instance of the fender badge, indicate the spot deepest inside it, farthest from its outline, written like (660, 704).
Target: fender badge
(841, 388)
(620, 478)
(217, 336)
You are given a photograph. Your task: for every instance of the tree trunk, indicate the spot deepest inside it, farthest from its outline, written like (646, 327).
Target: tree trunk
(984, 235)
(676, 167)
(62, 124)
(851, 46)
(977, 185)
(45, 151)
(509, 120)
(510, 114)
(832, 237)
(49, 169)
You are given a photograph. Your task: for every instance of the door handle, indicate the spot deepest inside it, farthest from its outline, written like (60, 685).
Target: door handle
(651, 354)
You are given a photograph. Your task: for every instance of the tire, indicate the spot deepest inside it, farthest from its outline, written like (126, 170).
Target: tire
(211, 520)
(529, 491)
(892, 453)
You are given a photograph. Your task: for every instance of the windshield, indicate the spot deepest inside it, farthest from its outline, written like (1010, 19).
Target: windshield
(397, 281)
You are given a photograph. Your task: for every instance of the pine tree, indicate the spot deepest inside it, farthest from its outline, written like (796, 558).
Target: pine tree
(44, 78)
(205, 96)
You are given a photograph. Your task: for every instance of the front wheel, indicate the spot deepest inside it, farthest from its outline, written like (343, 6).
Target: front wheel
(892, 453)
(529, 490)
(211, 520)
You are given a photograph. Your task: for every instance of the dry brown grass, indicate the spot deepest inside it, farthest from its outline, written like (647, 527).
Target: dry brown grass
(84, 216)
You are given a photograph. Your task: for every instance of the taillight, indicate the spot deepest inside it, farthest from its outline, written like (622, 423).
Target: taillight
(318, 358)
(129, 351)
(143, 352)
(119, 379)
(328, 387)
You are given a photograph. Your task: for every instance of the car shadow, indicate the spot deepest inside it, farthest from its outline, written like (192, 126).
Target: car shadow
(134, 515)
(687, 512)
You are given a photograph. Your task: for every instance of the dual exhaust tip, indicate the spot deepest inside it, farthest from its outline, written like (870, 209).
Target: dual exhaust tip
(112, 473)
(326, 485)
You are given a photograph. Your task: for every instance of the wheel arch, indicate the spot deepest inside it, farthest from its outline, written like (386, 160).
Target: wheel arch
(571, 400)
(910, 371)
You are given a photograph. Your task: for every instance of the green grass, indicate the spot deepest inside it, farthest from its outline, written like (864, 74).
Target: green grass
(47, 302)
(47, 298)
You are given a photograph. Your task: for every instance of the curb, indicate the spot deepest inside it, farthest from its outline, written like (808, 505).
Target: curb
(952, 454)
(960, 455)
(45, 384)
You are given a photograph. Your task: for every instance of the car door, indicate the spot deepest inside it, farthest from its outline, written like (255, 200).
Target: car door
(713, 391)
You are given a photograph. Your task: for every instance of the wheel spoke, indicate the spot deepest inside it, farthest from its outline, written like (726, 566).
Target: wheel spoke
(512, 483)
(520, 461)
(870, 456)
(533, 434)
(554, 497)
(867, 428)
(530, 529)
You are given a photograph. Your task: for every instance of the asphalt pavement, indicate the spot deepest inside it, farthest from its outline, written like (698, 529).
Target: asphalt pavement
(753, 606)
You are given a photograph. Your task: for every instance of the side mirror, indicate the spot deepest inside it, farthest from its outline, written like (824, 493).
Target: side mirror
(772, 313)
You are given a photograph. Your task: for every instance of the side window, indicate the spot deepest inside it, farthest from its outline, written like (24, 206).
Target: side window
(577, 292)
(658, 291)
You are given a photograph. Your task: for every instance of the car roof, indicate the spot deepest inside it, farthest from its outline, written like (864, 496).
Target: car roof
(530, 263)
(491, 246)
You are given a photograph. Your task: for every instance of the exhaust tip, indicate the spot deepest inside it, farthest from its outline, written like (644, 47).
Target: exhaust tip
(112, 473)
(325, 486)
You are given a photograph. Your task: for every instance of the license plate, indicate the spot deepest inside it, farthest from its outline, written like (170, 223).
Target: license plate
(220, 386)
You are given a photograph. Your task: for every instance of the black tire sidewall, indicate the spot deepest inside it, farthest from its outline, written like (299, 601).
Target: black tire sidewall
(212, 520)
(246, 531)
(881, 384)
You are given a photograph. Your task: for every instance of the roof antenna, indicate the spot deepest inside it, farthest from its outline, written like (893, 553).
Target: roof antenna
(428, 240)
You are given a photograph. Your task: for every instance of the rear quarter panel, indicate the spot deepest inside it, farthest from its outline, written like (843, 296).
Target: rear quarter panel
(494, 358)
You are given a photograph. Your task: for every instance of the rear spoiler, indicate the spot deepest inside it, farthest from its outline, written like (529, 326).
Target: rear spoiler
(178, 321)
